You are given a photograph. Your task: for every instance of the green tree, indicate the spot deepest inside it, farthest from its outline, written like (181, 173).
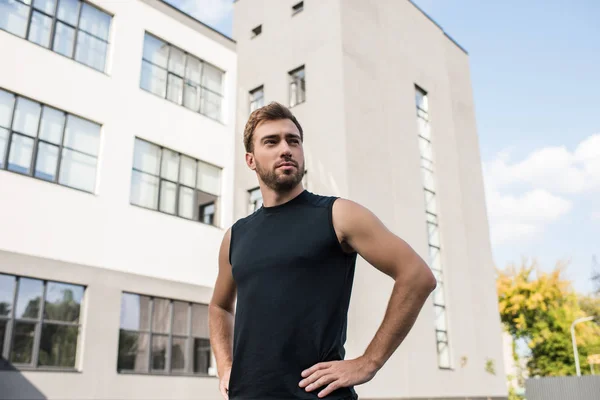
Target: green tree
(539, 307)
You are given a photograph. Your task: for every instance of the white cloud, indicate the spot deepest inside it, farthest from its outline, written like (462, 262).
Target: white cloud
(514, 218)
(210, 12)
(551, 168)
(596, 216)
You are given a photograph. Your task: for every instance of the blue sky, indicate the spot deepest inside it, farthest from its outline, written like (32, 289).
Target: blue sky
(535, 70)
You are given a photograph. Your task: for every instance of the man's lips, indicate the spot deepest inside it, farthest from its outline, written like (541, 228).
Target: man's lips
(286, 164)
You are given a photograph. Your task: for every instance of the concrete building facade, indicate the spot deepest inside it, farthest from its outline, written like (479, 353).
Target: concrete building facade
(384, 97)
(116, 183)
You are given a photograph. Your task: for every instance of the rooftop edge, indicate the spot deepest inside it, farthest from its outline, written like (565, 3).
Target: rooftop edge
(439, 26)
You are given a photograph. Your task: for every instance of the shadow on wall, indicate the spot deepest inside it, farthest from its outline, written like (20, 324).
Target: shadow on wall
(14, 386)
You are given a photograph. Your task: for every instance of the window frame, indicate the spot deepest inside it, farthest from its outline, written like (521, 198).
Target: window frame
(293, 79)
(76, 29)
(432, 218)
(39, 322)
(189, 337)
(185, 80)
(179, 185)
(297, 8)
(258, 89)
(37, 140)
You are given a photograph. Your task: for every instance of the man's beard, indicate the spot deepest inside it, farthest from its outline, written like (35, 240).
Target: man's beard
(283, 182)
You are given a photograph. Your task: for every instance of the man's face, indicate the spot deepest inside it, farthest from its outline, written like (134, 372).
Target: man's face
(278, 156)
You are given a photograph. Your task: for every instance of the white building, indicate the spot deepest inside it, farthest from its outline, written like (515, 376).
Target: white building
(116, 183)
(121, 165)
(384, 97)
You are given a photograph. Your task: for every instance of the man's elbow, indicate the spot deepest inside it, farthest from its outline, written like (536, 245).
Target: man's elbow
(426, 280)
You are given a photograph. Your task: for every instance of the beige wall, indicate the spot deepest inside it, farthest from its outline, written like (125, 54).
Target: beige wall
(96, 376)
(362, 62)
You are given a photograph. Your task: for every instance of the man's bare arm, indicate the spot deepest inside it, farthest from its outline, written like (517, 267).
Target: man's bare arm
(360, 230)
(365, 233)
(221, 315)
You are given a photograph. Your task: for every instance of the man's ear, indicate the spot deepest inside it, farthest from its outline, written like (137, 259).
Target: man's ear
(250, 161)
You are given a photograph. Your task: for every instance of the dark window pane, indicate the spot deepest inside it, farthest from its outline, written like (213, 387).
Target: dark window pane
(156, 51)
(47, 6)
(58, 345)
(154, 79)
(22, 343)
(68, 11)
(46, 162)
(64, 40)
(3, 143)
(201, 355)
(82, 135)
(39, 31)
(78, 170)
(144, 190)
(175, 89)
(7, 290)
(146, 157)
(21, 150)
(167, 197)
(91, 51)
(161, 317)
(180, 318)
(200, 320)
(3, 327)
(27, 116)
(29, 298)
(178, 352)
(7, 103)
(135, 312)
(94, 21)
(133, 351)
(207, 214)
(13, 17)
(159, 352)
(63, 302)
(52, 125)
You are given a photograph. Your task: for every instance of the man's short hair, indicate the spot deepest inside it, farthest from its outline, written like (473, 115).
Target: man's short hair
(271, 112)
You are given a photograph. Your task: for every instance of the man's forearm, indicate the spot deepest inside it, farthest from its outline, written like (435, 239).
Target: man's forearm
(221, 337)
(407, 299)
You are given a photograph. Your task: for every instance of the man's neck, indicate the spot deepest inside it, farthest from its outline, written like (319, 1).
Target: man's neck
(272, 198)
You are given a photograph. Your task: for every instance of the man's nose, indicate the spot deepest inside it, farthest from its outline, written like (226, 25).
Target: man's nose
(286, 151)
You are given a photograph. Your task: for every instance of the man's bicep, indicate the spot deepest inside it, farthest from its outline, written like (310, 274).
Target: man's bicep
(371, 239)
(225, 289)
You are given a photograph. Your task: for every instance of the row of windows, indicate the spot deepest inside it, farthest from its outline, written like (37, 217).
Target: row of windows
(40, 327)
(80, 31)
(297, 90)
(427, 171)
(49, 144)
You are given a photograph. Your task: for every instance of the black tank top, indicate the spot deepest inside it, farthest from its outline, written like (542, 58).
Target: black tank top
(293, 284)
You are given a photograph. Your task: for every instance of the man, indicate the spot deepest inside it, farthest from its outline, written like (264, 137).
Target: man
(291, 266)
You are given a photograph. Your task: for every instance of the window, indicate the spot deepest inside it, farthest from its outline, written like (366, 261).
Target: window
(256, 31)
(46, 143)
(180, 77)
(297, 87)
(163, 336)
(431, 215)
(73, 28)
(256, 200)
(39, 322)
(257, 98)
(297, 8)
(174, 183)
